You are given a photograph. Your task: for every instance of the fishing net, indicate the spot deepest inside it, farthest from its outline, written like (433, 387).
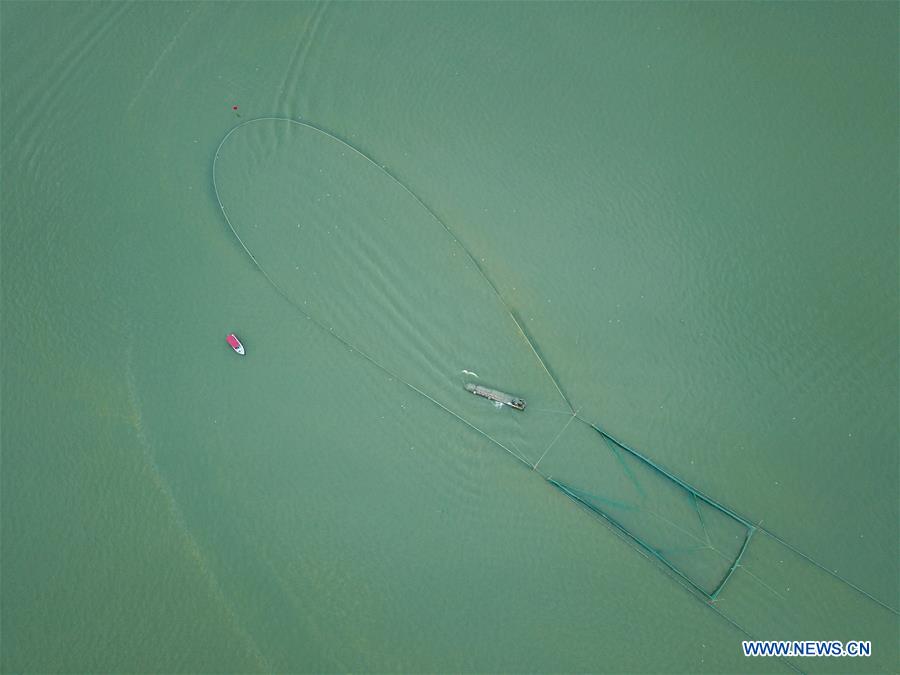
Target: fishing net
(368, 263)
(693, 536)
(361, 256)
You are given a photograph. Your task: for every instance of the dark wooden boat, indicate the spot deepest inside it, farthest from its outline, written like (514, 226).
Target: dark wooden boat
(496, 396)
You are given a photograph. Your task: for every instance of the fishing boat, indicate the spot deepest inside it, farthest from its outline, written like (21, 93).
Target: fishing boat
(235, 343)
(496, 396)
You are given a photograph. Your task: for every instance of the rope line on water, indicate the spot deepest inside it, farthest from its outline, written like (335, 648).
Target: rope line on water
(832, 573)
(555, 438)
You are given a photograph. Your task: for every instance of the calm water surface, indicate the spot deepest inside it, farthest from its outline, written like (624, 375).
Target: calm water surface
(693, 210)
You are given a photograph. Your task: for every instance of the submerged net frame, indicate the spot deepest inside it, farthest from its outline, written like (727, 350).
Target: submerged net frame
(655, 552)
(708, 593)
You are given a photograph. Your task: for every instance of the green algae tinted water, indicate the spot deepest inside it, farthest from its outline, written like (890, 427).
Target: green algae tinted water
(691, 208)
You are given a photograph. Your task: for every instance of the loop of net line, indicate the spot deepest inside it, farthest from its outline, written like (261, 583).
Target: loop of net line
(706, 588)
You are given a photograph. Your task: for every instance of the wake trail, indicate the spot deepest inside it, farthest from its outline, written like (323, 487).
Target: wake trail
(159, 59)
(299, 55)
(192, 546)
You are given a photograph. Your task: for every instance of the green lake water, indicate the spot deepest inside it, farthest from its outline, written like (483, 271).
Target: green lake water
(678, 219)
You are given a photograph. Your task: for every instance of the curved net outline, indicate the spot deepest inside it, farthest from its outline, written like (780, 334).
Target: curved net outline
(706, 527)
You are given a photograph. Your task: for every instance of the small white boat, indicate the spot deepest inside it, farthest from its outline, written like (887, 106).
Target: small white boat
(235, 343)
